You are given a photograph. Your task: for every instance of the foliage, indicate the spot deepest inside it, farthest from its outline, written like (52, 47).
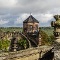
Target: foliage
(57, 22)
(4, 45)
(51, 39)
(23, 43)
(46, 40)
(44, 37)
(46, 34)
(47, 30)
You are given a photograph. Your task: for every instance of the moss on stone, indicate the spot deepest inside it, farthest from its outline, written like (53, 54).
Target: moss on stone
(57, 22)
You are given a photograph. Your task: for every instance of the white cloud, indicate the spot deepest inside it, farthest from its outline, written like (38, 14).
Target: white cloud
(21, 18)
(24, 16)
(42, 10)
(8, 3)
(54, 11)
(43, 18)
(18, 21)
(3, 22)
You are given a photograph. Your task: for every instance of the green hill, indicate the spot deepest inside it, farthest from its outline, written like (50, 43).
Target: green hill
(47, 30)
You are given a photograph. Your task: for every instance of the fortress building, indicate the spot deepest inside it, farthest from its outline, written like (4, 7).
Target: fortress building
(56, 25)
(30, 25)
(31, 30)
(30, 33)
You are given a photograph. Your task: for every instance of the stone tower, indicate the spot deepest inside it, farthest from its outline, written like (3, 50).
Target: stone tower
(14, 46)
(56, 25)
(31, 30)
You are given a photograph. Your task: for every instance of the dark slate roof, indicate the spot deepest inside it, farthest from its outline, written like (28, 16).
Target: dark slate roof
(30, 19)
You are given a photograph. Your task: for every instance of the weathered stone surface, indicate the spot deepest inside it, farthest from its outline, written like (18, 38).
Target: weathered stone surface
(56, 25)
(28, 54)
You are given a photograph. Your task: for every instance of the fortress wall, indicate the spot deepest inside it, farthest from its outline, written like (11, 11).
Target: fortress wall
(28, 54)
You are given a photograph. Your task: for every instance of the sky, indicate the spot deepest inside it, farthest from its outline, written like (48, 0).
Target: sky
(14, 12)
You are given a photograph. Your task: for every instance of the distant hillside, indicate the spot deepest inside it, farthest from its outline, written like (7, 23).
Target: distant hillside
(47, 30)
(10, 29)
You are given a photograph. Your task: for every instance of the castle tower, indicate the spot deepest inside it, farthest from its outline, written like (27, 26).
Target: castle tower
(31, 29)
(14, 43)
(56, 25)
(30, 25)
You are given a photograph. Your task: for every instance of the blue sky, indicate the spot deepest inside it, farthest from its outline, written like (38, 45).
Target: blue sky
(14, 12)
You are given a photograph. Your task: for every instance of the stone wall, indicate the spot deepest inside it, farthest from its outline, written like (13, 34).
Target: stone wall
(28, 54)
(9, 35)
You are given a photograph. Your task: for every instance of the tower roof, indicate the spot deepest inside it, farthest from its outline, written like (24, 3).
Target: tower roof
(30, 19)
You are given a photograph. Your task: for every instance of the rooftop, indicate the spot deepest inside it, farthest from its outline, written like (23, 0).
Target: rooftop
(30, 19)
